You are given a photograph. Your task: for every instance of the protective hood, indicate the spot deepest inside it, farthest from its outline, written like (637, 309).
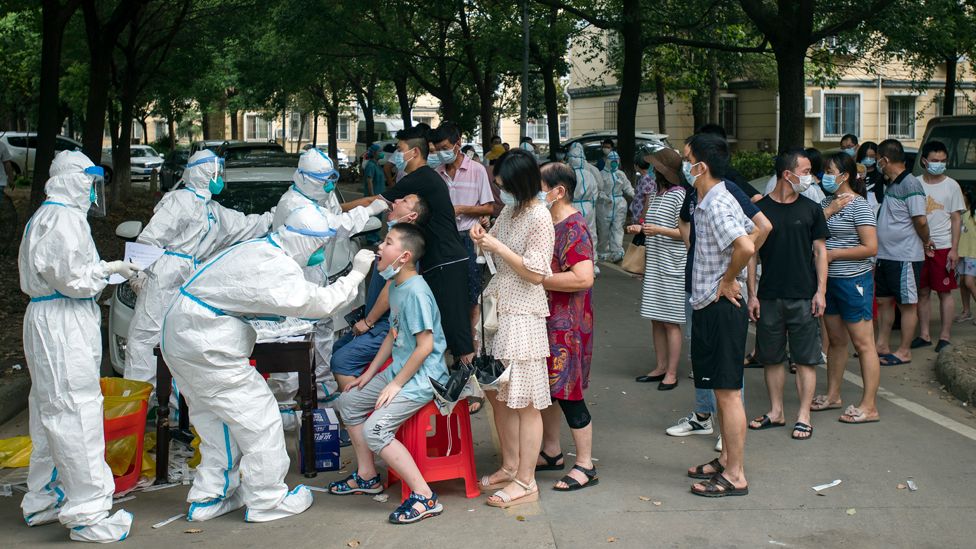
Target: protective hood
(575, 156)
(315, 171)
(69, 184)
(304, 232)
(200, 169)
(611, 158)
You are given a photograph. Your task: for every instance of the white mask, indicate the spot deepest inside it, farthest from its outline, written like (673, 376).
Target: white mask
(804, 182)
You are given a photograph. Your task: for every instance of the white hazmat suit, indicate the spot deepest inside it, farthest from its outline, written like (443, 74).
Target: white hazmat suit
(587, 188)
(313, 184)
(191, 227)
(612, 209)
(60, 270)
(206, 342)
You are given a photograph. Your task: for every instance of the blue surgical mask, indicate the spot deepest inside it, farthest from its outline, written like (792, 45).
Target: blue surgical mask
(686, 171)
(398, 161)
(936, 168)
(216, 185)
(392, 222)
(542, 196)
(434, 161)
(576, 162)
(329, 187)
(614, 166)
(508, 198)
(390, 271)
(868, 162)
(851, 151)
(829, 183)
(447, 157)
(316, 258)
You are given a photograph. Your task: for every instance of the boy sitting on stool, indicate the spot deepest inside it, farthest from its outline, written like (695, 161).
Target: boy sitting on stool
(417, 344)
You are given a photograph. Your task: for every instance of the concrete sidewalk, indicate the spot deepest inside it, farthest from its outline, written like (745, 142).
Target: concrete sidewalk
(924, 434)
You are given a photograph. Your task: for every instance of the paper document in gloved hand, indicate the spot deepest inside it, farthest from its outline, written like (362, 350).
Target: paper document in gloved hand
(142, 255)
(289, 328)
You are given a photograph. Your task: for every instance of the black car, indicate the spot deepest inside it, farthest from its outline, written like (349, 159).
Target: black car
(172, 168)
(236, 150)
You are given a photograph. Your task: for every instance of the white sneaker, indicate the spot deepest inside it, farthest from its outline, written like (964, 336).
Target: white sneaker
(108, 530)
(295, 502)
(718, 444)
(690, 425)
(212, 508)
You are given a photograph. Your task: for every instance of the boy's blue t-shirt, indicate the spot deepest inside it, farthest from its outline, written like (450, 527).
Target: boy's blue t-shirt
(413, 310)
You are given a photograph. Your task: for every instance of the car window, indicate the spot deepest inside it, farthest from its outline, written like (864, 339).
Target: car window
(253, 197)
(61, 144)
(961, 142)
(17, 141)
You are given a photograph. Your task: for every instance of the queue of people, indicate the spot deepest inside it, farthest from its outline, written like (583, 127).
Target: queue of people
(718, 255)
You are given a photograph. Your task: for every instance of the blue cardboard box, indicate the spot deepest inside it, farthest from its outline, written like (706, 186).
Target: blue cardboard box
(325, 429)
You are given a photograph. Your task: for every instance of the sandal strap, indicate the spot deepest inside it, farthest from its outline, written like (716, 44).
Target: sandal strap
(718, 479)
(551, 460)
(715, 464)
(570, 481)
(527, 487)
(590, 473)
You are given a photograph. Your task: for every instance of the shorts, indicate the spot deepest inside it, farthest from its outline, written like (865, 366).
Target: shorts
(358, 406)
(718, 345)
(351, 354)
(966, 267)
(935, 274)
(783, 321)
(474, 270)
(449, 284)
(898, 279)
(851, 297)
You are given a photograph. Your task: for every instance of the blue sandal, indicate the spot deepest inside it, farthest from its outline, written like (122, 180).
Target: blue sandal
(406, 513)
(363, 487)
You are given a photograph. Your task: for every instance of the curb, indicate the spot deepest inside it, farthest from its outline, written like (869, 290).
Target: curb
(13, 395)
(953, 369)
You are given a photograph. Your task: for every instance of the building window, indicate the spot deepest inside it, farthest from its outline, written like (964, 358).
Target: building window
(727, 112)
(563, 126)
(136, 131)
(842, 114)
(537, 129)
(298, 123)
(160, 129)
(901, 117)
(424, 120)
(610, 115)
(255, 128)
(343, 133)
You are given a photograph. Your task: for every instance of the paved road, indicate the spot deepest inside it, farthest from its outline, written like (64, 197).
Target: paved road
(637, 460)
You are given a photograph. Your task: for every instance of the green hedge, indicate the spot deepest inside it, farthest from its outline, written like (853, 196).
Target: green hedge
(753, 164)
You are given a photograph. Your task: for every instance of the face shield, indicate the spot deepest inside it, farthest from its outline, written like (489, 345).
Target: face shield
(314, 243)
(96, 195)
(328, 179)
(214, 167)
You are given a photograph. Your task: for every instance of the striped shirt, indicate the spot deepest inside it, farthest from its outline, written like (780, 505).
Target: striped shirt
(897, 238)
(719, 221)
(843, 235)
(469, 187)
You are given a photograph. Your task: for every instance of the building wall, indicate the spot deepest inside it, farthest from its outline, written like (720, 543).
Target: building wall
(588, 114)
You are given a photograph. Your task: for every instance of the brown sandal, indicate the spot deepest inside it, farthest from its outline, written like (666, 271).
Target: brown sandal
(718, 487)
(700, 470)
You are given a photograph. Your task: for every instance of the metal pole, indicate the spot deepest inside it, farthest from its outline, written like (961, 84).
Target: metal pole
(524, 110)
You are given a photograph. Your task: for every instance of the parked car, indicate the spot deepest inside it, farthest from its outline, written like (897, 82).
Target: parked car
(253, 185)
(23, 149)
(172, 169)
(239, 150)
(209, 144)
(143, 159)
(341, 159)
(959, 135)
(591, 142)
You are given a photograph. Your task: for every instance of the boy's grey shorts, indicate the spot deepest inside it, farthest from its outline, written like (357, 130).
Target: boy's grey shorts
(356, 406)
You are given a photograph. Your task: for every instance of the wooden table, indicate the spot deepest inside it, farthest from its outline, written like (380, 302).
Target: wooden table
(271, 358)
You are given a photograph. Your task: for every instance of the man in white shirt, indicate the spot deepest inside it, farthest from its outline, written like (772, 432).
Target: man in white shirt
(943, 208)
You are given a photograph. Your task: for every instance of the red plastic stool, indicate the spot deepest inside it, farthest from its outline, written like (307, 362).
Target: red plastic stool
(125, 426)
(445, 455)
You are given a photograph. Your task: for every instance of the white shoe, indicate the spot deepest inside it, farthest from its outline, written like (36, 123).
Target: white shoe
(295, 502)
(289, 419)
(215, 507)
(47, 516)
(718, 444)
(107, 530)
(690, 425)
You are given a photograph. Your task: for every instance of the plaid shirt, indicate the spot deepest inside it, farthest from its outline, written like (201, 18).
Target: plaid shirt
(718, 222)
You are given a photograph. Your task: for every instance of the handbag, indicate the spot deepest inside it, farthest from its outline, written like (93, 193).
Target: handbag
(635, 256)
(489, 315)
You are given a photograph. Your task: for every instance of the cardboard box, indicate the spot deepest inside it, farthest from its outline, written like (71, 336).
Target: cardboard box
(325, 429)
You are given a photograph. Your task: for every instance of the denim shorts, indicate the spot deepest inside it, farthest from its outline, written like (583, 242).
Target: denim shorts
(966, 266)
(851, 297)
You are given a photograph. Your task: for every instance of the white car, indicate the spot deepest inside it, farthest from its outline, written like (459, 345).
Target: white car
(23, 150)
(143, 159)
(249, 189)
(341, 159)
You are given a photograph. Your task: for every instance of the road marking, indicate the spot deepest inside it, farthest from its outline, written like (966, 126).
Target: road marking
(915, 408)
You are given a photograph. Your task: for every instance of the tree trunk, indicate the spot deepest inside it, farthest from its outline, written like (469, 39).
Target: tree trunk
(792, 88)
(233, 125)
(113, 128)
(171, 127)
(949, 96)
(53, 20)
(315, 128)
(204, 122)
(301, 130)
(121, 149)
(713, 87)
(448, 106)
(332, 124)
(403, 97)
(145, 131)
(661, 97)
(97, 104)
(552, 107)
(366, 105)
(630, 83)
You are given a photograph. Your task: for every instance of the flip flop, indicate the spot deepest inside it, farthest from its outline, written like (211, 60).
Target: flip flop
(919, 342)
(857, 416)
(718, 486)
(803, 428)
(942, 344)
(891, 360)
(765, 423)
(700, 470)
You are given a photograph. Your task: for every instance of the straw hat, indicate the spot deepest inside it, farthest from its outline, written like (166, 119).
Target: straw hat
(667, 163)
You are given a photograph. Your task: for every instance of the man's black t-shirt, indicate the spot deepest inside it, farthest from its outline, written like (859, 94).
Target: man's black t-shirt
(440, 231)
(788, 269)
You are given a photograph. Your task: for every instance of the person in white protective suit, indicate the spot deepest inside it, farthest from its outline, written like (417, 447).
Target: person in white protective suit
(612, 209)
(587, 188)
(206, 342)
(313, 184)
(191, 227)
(60, 270)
